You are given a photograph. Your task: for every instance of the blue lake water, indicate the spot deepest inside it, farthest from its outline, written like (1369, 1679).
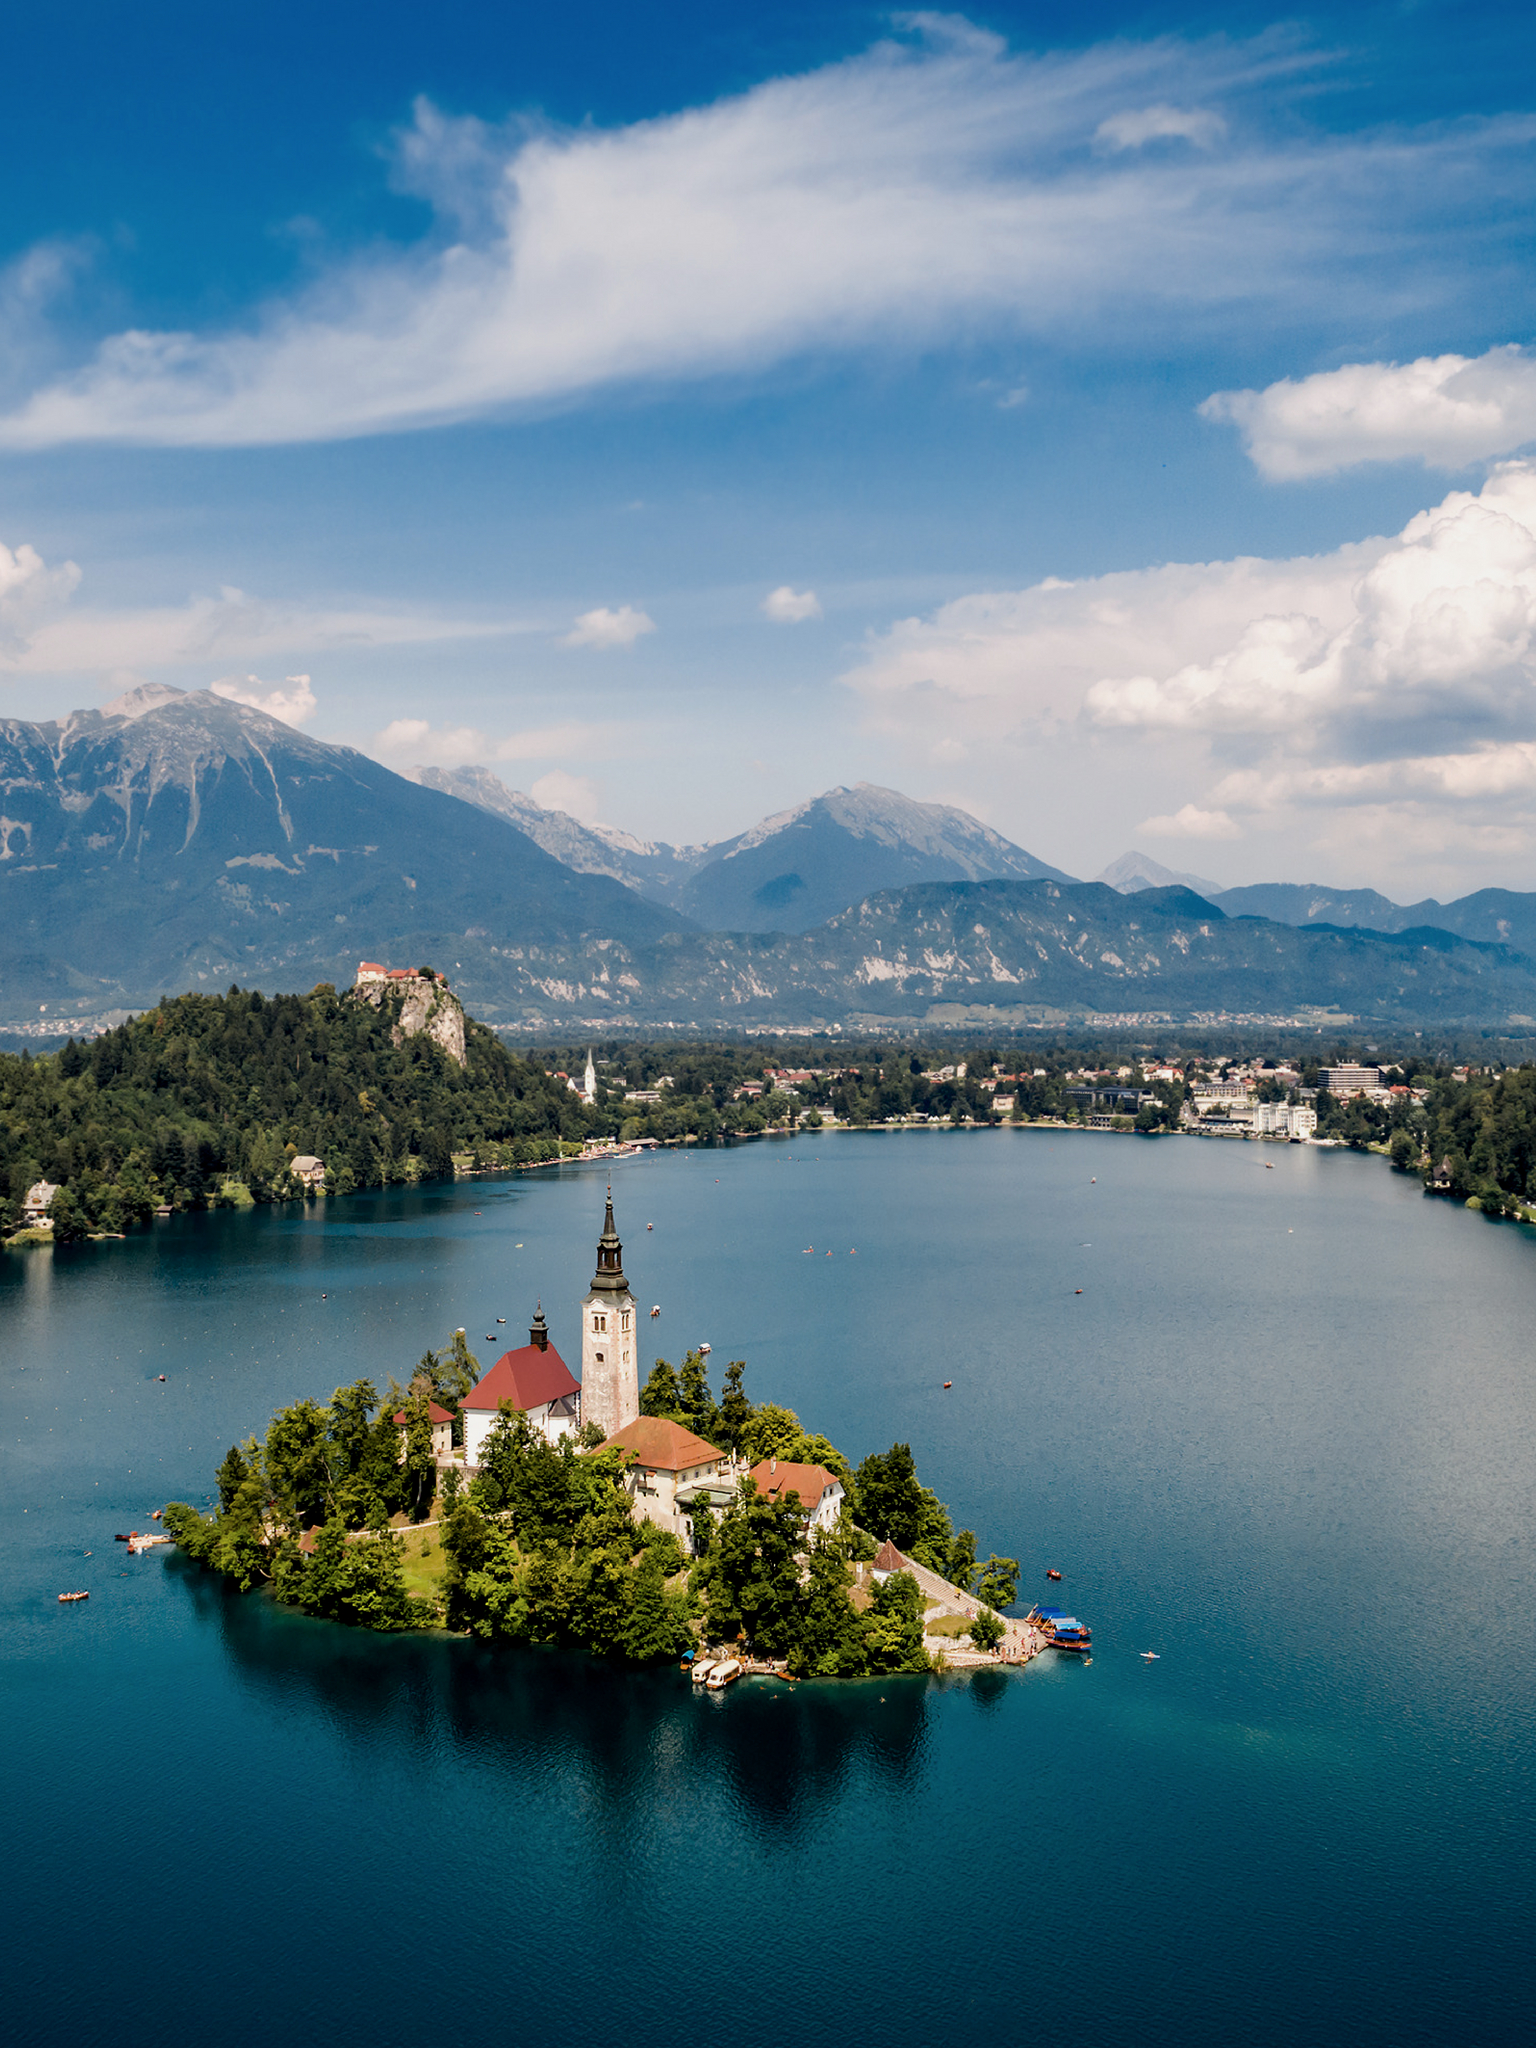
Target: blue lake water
(1286, 1436)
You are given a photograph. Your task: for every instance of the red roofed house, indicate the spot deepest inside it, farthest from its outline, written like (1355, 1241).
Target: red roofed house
(820, 1491)
(888, 1559)
(672, 1470)
(442, 1431)
(535, 1379)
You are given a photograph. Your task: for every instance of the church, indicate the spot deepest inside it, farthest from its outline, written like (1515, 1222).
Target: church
(536, 1379)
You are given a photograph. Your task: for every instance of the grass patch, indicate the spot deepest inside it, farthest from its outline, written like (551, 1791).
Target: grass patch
(423, 1565)
(952, 1625)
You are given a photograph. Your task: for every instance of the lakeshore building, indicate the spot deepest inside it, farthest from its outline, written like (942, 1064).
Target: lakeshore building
(1350, 1080)
(671, 1471)
(819, 1491)
(610, 1375)
(534, 1378)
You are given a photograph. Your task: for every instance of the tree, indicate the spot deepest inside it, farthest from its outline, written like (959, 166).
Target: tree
(297, 1461)
(656, 1624)
(735, 1408)
(829, 1635)
(698, 1403)
(893, 1626)
(998, 1581)
(754, 1572)
(661, 1394)
(420, 1459)
(231, 1475)
(987, 1630)
(70, 1223)
(961, 1569)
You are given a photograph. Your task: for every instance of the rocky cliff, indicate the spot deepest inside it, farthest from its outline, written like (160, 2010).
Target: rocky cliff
(425, 1003)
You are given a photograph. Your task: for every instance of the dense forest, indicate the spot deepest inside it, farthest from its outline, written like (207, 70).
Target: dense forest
(204, 1091)
(540, 1546)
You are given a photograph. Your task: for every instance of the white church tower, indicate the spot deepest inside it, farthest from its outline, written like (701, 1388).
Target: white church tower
(610, 1337)
(589, 1080)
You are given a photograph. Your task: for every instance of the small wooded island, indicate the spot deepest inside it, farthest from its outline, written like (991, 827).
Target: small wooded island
(558, 1519)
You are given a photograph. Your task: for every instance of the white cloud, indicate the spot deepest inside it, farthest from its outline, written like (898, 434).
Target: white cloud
(293, 704)
(232, 626)
(29, 591)
(915, 191)
(787, 607)
(1443, 410)
(574, 794)
(605, 628)
(1162, 123)
(417, 740)
(1393, 681)
(1191, 822)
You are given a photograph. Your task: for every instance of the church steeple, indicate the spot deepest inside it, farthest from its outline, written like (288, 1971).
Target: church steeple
(610, 1339)
(609, 1278)
(538, 1335)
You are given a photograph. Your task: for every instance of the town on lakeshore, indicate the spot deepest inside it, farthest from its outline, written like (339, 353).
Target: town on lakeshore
(528, 1505)
(228, 1101)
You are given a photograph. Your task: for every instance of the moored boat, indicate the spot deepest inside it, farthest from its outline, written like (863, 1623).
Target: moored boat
(702, 1667)
(66, 1597)
(722, 1674)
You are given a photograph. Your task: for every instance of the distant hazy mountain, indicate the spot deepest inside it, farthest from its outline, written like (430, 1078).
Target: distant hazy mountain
(1133, 871)
(177, 841)
(996, 953)
(1495, 916)
(790, 872)
(656, 871)
(797, 869)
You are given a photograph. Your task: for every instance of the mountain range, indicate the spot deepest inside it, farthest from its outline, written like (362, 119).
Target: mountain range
(177, 840)
(789, 873)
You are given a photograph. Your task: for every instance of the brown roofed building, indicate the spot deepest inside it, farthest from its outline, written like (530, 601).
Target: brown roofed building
(888, 1559)
(820, 1492)
(442, 1430)
(666, 1460)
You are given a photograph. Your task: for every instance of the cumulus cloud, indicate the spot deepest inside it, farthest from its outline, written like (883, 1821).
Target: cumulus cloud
(292, 703)
(605, 628)
(1190, 822)
(574, 794)
(927, 187)
(29, 591)
(417, 740)
(1446, 411)
(1162, 123)
(787, 607)
(1393, 680)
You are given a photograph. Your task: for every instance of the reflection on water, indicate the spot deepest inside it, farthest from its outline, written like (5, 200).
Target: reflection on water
(783, 1756)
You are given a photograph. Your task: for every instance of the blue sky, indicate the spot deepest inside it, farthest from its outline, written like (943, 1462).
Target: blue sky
(682, 411)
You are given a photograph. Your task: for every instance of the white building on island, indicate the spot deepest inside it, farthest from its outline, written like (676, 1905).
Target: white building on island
(534, 1378)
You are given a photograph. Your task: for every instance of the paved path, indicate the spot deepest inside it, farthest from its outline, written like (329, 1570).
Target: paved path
(1020, 1642)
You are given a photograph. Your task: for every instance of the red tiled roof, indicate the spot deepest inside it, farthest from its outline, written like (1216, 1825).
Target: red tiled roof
(888, 1558)
(527, 1378)
(662, 1446)
(437, 1414)
(809, 1481)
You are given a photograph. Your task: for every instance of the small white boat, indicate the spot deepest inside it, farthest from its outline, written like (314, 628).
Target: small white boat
(702, 1667)
(723, 1672)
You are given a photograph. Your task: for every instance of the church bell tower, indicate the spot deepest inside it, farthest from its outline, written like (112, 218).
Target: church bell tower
(610, 1375)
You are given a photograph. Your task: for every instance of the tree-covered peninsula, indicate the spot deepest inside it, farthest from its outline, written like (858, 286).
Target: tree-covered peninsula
(540, 1546)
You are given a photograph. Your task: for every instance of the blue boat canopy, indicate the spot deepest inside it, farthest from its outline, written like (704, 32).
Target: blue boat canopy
(1053, 1614)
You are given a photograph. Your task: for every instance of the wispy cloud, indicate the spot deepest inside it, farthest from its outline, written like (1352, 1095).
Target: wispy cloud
(1446, 411)
(1190, 822)
(787, 606)
(927, 187)
(1162, 123)
(43, 633)
(605, 628)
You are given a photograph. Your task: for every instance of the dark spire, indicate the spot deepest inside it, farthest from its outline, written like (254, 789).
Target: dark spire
(610, 1258)
(538, 1335)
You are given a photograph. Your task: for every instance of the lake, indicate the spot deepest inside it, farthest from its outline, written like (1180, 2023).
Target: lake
(1285, 1436)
